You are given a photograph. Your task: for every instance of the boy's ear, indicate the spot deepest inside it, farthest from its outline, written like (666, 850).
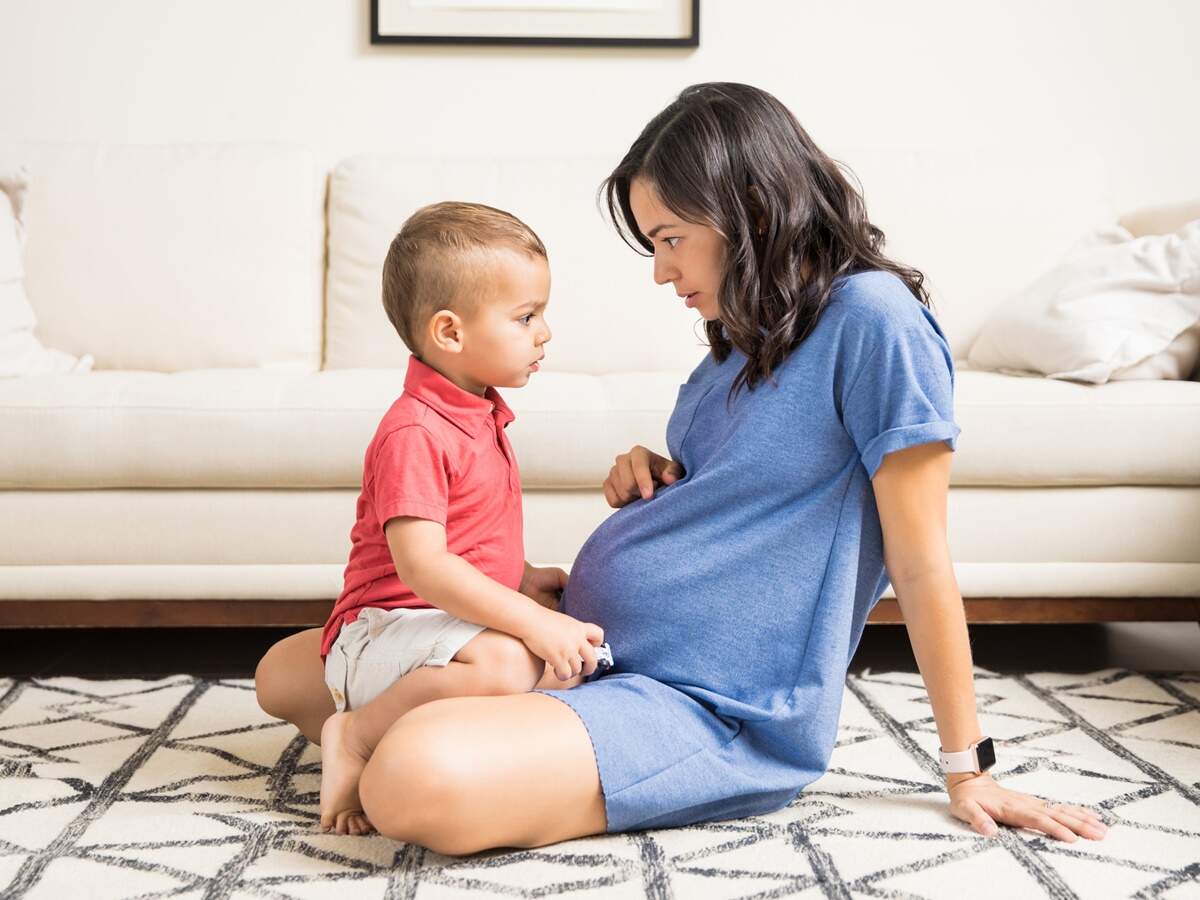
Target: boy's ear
(446, 331)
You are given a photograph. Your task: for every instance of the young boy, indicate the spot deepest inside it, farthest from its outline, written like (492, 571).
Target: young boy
(438, 599)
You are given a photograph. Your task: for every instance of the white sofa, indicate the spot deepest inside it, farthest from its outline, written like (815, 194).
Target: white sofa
(207, 470)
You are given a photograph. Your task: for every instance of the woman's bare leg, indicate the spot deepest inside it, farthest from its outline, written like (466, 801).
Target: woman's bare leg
(469, 773)
(491, 663)
(290, 683)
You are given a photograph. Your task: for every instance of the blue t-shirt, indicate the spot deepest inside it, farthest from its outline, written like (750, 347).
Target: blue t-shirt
(745, 585)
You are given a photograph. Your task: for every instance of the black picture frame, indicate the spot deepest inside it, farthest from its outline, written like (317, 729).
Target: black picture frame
(690, 40)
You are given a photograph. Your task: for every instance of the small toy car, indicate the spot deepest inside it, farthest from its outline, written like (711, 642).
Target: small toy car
(604, 658)
(604, 661)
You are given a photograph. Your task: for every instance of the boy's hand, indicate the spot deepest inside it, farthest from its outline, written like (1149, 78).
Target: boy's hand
(565, 643)
(543, 585)
(636, 473)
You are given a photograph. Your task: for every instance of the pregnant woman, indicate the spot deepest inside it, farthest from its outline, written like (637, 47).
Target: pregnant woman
(808, 462)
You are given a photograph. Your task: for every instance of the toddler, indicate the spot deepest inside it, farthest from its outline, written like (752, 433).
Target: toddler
(438, 599)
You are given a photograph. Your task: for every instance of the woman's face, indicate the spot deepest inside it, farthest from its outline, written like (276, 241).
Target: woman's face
(688, 256)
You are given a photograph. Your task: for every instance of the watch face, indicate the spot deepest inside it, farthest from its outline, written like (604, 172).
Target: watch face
(986, 754)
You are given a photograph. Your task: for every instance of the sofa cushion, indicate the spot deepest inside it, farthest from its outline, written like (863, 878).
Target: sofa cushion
(980, 223)
(961, 217)
(601, 293)
(253, 429)
(154, 535)
(1020, 431)
(246, 428)
(176, 257)
(21, 353)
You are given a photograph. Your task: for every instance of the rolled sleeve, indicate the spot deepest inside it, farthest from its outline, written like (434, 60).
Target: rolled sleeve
(903, 395)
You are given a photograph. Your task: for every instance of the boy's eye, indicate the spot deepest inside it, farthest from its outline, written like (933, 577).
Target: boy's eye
(526, 319)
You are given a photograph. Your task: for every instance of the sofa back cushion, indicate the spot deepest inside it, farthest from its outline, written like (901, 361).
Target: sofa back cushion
(979, 224)
(167, 258)
(605, 311)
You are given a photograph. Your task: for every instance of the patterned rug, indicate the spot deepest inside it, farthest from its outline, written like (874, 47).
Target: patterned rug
(183, 788)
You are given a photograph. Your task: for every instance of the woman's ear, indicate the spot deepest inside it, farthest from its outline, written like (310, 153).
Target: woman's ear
(445, 331)
(758, 210)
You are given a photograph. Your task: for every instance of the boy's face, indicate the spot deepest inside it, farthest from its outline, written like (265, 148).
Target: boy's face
(504, 333)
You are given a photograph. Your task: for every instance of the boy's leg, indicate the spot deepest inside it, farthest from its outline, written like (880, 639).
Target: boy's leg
(290, 683)
(491, 663)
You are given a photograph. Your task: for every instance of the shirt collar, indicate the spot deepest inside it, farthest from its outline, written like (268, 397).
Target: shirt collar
(461, 408)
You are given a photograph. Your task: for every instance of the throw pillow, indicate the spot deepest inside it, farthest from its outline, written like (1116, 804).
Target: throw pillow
(1177, 363)
(1108, 310)
(21, 353)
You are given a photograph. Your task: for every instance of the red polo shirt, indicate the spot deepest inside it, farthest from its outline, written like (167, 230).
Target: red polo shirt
(441, 454)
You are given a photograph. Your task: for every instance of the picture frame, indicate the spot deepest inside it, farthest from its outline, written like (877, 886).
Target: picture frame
(556, 23)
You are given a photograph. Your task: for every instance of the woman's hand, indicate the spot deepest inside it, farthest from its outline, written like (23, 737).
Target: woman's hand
(564, 642)
(543, 585)
(635, 474)
(983, 804)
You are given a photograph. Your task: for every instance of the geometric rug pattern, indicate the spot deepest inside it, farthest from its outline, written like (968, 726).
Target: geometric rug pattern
(183, 788)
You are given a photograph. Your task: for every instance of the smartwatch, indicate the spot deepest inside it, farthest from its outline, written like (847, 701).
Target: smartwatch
(979, 757)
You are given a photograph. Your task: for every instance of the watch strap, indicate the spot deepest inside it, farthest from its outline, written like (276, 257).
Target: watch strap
(979, 757)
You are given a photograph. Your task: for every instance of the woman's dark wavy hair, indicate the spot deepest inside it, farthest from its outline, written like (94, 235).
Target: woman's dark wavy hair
(734, 158)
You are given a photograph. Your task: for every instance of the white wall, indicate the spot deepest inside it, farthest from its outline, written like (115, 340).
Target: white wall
(1120, 77)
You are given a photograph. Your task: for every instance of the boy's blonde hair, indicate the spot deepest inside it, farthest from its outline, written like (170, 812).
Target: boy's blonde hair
(439, 258)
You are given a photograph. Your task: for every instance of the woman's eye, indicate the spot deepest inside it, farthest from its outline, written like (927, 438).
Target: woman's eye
(671, 242)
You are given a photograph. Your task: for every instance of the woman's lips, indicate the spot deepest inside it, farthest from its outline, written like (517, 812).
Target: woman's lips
(689, 300)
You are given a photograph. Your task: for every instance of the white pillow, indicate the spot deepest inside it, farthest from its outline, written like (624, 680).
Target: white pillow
(21, 353)
(1116, 307)
(1177, 363)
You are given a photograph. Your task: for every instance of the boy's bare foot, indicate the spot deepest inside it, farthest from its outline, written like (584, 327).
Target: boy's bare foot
(353, 822)
(341, 765)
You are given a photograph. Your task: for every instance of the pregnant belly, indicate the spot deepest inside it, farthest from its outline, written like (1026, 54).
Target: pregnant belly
(696, 602)
(622, 581)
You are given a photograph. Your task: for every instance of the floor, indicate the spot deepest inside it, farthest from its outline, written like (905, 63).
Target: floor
(233, 652)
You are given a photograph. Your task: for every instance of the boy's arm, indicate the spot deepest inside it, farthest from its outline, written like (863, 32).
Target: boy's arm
(451, 583)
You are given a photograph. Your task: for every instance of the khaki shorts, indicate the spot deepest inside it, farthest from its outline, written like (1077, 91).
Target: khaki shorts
(382, 645)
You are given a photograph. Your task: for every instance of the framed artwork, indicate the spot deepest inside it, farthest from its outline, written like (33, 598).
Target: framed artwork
(596, 23)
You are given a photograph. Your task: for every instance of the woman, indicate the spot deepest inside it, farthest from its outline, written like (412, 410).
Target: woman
(811, 448)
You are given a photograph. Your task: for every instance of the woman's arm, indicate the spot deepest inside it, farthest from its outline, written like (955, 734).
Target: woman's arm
(911, 487)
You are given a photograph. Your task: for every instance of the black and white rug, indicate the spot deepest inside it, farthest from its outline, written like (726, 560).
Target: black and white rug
(183, 788)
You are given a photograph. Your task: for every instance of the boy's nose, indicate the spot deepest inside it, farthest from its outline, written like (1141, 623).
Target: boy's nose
(545, 335)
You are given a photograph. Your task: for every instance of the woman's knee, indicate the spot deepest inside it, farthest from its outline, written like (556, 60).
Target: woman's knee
(416, 785)
(463, 774)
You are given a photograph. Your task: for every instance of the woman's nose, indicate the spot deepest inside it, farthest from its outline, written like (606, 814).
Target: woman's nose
(664, 271)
